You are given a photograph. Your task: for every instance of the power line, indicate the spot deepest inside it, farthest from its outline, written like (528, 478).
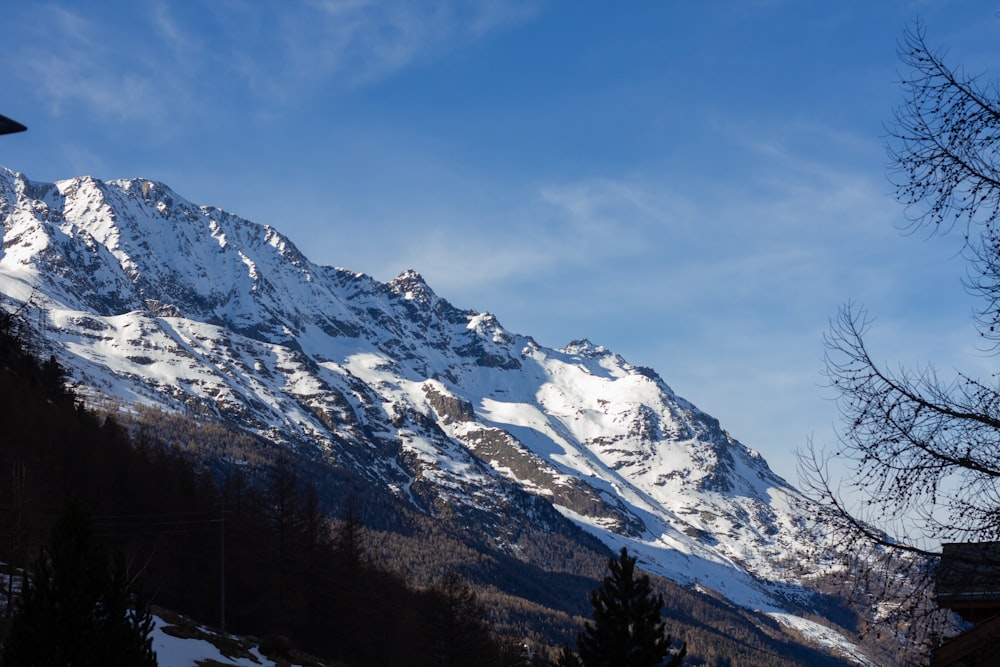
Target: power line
(100, 517)
(170, 523)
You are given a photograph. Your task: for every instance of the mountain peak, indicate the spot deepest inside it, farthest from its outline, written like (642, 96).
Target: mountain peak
(411, 286)
(584, 347)
(149, 298)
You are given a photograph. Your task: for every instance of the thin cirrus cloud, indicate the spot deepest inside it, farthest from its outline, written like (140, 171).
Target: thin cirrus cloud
(315, 44)
(72, 65)
(365, 40)
(566, 228)
(258, 57)
(780, 228)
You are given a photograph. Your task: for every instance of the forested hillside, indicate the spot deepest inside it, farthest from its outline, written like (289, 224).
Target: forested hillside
(306, 552)
(288, 570)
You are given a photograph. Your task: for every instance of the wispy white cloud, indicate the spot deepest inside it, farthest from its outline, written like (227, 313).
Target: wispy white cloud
(738, 278)
(183, 60)
(598, 203)
(184, 44)
(323, 43)
(68, 60)
(557, 234)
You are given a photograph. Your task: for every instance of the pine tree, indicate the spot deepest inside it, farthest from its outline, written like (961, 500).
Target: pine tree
(75, 610)
(627, 629)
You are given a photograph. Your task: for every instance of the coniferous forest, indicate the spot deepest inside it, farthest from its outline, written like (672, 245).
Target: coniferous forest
(183, 529)
(239, 534)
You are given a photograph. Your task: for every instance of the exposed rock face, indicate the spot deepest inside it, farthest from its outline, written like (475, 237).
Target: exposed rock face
(151, 298)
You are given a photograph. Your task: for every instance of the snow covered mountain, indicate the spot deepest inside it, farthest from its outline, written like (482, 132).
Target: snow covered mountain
(149, 298)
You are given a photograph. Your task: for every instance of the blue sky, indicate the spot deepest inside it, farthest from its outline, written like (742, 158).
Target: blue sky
(697, 186)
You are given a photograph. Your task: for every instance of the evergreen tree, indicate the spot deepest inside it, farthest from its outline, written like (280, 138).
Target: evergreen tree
(75, 609)
(627, 630)
(460, 627)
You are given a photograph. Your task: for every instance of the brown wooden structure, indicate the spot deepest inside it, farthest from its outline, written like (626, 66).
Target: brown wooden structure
(968, 583)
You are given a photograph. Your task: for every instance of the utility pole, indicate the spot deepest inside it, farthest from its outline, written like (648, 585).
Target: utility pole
(222, 565)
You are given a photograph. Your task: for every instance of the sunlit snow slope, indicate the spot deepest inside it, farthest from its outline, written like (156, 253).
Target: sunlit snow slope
(148, 297)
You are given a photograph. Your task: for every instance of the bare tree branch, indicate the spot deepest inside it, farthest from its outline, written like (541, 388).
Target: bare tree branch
(921, 453)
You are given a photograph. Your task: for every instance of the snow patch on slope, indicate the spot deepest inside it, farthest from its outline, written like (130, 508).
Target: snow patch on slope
(151, 298)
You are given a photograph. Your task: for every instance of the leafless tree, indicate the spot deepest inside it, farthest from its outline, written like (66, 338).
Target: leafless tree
(923, 450)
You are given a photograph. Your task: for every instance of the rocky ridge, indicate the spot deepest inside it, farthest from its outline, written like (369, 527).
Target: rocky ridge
(152, 299)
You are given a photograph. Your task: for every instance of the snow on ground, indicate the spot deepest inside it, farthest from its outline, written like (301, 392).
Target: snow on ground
(174, 651)
(823, 636)
(219, 335)
(192, 651)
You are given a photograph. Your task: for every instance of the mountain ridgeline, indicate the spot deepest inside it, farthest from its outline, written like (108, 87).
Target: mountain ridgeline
(449, 425)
